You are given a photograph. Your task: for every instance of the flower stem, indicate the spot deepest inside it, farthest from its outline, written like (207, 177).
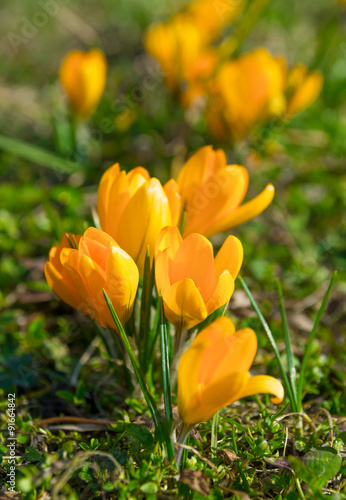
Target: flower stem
(158, 421)
(213, 443)
(183, 435)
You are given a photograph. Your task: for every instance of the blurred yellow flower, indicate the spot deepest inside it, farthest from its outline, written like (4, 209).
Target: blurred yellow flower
(83, 76)
(133, 208)
(246, 91)
(194, 284)
(303, 88)
(77, 276)
(179, 47)
(212, 192)
(182, 45)
(214, 372)
(212, 15)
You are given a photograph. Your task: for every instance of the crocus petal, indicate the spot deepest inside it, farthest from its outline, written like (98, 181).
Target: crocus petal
(136, 177)
(122, 281)
(230, 352)
(260, 384)
(222, 293)
(208, 400)
(169, 238)
(195, 260)
(188, 370)
(172, 192)
(102, 238)
(211, 203)
(146, 213)
(113, 188)
(184, 305)
(230, 257)
(162, 261)
(198, 169)
(214, 371)
(62, 286)
(247, 211)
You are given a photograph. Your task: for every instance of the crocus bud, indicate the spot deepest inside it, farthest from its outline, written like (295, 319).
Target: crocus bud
(83, 76)
(133, 208)
(194, 284)
(214, 372)
(212, 192)
(78, 276)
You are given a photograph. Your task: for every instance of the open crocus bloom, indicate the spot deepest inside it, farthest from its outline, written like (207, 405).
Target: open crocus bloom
(77, 276)
(212, 192)
(214, 372)
(83, 76)
(194, 284)
(133, 208)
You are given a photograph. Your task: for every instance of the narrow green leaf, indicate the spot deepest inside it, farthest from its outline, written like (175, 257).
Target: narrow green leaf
(272, 342)
(311, 339)
(39, 156)
(287, 337)
(144, 325)
(165, 364)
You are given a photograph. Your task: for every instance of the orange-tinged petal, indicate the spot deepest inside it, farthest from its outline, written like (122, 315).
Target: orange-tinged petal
(189, 365)
(260, 384)
(214, 371)
(205, 403)
(70, 261)
(215, 200)
(162, 261)
(221, 392)
(83, 273)
(230, 257)
(172, 192)
(229, 351)
(215, 331)
(195, 260)
(100, 237)
(222, 292)
(62, 286)
(184, 305)
(198, 169)
(247, 211)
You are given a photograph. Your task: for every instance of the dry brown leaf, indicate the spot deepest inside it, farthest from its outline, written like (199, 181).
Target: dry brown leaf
(196, 481)
(228, 455)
